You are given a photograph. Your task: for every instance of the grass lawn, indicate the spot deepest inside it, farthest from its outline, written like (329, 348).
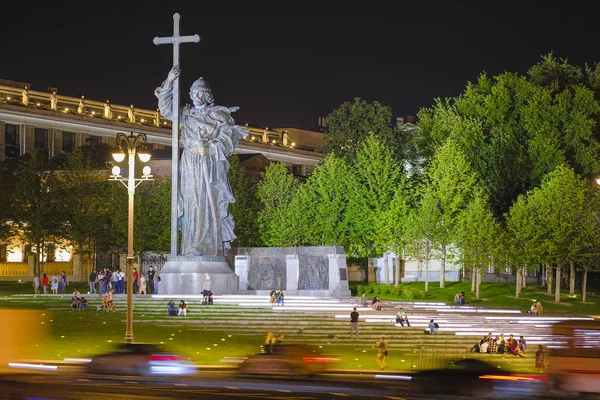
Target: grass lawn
(82, 334)
(500, 294)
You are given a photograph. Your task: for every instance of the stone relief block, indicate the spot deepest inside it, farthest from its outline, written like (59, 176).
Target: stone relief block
(313, 272)
(267, 273)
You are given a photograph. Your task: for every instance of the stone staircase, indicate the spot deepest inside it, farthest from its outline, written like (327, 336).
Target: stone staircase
(317, 321)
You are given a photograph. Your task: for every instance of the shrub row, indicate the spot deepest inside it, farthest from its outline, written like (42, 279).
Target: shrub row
(402, 292)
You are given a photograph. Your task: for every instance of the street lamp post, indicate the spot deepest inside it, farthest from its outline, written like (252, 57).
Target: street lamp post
(131, 143)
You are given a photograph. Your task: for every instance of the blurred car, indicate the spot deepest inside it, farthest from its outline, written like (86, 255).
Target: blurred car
(286, 359)
(477, 378)
(145, 359)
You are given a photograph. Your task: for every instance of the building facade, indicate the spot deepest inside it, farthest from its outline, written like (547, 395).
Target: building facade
(55, 124)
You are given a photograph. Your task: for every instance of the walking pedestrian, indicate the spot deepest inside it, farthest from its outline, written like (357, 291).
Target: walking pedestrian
(382, 352)
(540, 362)
(354, 323)
(45, 283)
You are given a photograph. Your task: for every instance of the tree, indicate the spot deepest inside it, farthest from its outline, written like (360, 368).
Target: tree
(560, 205)
(393, 224)
(514, 132)
(246, 206)
(377, 175)
(84, 198)
(8, 180)
(452, 184)
(423, 224)
(524, 242)
(477, 235)
(324, 202)
(350, 125)
(37, 209)
(275, 192)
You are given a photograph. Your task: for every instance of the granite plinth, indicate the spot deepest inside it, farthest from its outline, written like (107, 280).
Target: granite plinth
(190, 276)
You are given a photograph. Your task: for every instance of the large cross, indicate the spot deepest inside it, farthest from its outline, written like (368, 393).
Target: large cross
(175, 40)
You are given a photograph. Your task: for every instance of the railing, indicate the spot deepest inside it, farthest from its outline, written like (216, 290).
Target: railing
(70, 105)
(426, 357)
(14, 269)
(51, 268)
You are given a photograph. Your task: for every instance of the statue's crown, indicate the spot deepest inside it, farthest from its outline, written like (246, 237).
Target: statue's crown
(200, 85)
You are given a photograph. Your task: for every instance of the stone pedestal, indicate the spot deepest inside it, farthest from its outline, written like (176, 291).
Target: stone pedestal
(189, 275)
(304, 271)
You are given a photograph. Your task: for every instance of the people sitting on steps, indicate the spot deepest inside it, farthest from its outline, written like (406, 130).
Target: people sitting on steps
(459, 298)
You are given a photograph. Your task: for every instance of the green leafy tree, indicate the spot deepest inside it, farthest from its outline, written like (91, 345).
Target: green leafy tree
(153, 216)
(377, 175)
(324, 199)
(350, 125)
(8, 180)
(37, 209)
(514, 132)
(523, 245)
(561, 203)
(275, 191)
(477, 235)
(85, 201)
(246, 206)
(422, 228)
(393, 224)
(452, 184)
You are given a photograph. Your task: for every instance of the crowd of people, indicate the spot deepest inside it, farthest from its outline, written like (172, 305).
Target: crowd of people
(501, 345)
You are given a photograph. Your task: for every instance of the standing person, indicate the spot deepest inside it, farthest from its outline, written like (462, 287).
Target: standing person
(209, 136)
(273, 297)
(54, 286)
(136, 278)
(36, 284)
(156, 281)
(45, 284)
(101, 286)
(382, 352)
(354, 323)
(63, 282)
(92, 279)
(540, 362)
(401, 317)
(142, 284)
(151, 279)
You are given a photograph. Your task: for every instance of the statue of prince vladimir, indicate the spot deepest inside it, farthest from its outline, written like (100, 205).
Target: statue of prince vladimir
(209, 136)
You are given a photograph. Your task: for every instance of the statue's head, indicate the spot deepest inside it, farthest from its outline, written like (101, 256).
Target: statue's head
(200, 92)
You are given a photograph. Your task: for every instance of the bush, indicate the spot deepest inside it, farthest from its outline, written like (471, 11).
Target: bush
(402, 291)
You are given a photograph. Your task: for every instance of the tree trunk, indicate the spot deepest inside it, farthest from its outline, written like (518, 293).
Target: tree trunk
(557, 292)
(397, 262)
(443, 271)
(386, 270)
(572, 279)
(426, 275)
(478, 282)
(523, 278)
(549, 271)
(518, 283)
(473, 279)
(584, 285)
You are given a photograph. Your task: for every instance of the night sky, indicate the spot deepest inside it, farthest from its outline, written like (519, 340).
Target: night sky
(287, 62)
